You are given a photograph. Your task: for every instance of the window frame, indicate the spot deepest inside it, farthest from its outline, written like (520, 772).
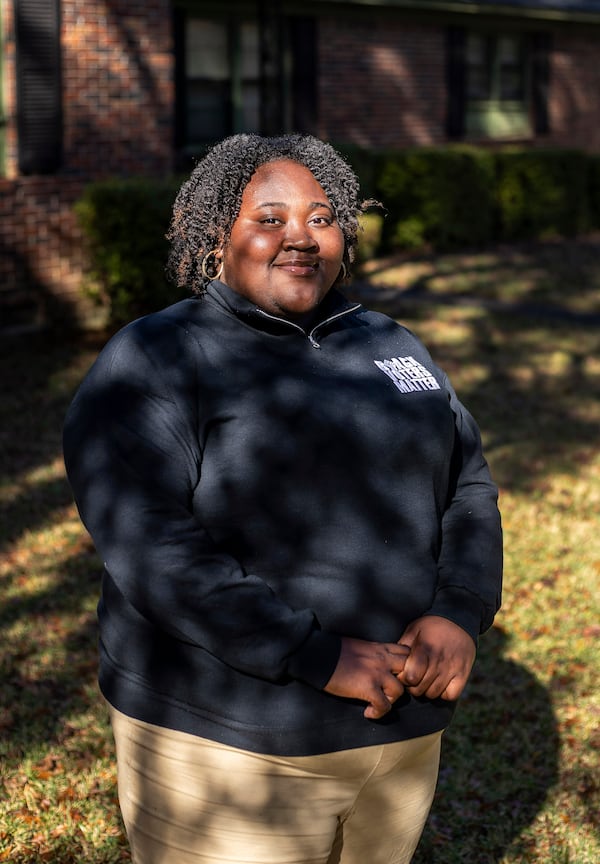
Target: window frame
(495, 117)
(533, 116)
(287, 81)
(232, 84)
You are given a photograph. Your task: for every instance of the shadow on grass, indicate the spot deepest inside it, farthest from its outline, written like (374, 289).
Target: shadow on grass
(499, 760)
(530, 382)
(551, 278)
(47, 602)
(491, 785)
(48, 668)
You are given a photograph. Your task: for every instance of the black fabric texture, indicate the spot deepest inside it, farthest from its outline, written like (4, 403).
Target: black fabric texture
(256, 493)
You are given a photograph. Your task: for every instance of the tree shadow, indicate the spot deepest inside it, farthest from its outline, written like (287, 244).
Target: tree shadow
(544, 279)
(37, 696)
(499, 761)
(534, 392)
(57, 612)
(28, 304)
(490, 787)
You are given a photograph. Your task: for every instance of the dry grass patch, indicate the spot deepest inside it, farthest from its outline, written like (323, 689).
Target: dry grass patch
(519, 780)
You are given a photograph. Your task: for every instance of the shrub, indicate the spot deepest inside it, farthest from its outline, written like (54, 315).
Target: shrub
(369, 236)
(464, 196)
(124, 222)
(541, 193)
(437, 196)
(593, 186)
(364, 164)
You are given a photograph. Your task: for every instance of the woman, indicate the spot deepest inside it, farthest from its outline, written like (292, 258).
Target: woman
(300, 534)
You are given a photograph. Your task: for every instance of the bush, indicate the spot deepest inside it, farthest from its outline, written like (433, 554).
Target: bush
(124, 222)
(542, 193)
(364, 165)
(462, 196)
(594, 190)
(437, 196)
(369, 236)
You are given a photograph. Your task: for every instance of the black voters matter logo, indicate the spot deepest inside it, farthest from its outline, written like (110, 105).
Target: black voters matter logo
(407, 374)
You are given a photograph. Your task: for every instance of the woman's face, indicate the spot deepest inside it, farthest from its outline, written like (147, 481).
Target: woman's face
(285, 250)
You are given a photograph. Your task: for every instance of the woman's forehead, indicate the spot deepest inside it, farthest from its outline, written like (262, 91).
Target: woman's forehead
(283, 178)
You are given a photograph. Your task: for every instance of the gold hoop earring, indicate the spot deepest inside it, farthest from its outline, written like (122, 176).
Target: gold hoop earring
(216, 269)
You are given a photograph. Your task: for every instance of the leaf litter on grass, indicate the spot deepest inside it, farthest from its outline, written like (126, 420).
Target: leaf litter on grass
(519, 775)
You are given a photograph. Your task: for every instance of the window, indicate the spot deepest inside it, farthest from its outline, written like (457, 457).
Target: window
(243, 75)
(497, 84)
(222, 77)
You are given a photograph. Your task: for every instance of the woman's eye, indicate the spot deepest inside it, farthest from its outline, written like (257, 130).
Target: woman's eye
(271, 220)
(321, 220)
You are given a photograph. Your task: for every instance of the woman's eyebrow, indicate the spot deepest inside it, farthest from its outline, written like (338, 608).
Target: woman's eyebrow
(312, 206)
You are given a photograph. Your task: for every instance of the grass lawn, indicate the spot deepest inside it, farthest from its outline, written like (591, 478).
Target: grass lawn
(520, 779)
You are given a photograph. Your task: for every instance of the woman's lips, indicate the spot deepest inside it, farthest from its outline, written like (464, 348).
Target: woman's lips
(299, 267)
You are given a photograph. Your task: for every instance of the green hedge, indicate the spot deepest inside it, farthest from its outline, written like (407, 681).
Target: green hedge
(438, 197)
(441, 198)
(459, 196)
(543, 192)
(456, 197)
(593, 190)
(125, 222)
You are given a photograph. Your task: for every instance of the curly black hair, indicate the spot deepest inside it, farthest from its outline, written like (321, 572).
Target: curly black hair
(208, 203)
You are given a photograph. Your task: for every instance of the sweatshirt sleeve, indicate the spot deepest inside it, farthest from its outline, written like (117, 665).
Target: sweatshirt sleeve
(133, 454)
(470, 561)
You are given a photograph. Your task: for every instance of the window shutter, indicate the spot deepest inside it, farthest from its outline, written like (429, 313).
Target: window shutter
(456, 82)
(271, 67)
(303, 38)
(39, 96)
(540, 81)
(181, 132)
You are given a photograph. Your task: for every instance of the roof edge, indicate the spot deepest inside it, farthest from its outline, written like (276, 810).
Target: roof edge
(514, 10)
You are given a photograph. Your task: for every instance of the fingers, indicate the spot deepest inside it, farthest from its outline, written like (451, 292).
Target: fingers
(441, 688)
(455, 687)
(415, 667)
(425, 678)
(390, 687)
(441, 658)
(371, 712)
(433, 659)
(369, 671)
(382, 699)
(397, 659)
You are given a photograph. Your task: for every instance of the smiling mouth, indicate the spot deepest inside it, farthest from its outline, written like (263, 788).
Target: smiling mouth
(299, 267)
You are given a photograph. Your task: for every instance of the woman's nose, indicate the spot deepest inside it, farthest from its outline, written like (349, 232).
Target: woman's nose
(299, 237)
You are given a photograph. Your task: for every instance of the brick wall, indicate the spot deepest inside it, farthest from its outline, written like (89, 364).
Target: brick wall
(381, 82)
(575, 90)
(118, 102)
(41, 255)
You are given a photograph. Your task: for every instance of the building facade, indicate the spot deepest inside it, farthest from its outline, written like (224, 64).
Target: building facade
(92, 89)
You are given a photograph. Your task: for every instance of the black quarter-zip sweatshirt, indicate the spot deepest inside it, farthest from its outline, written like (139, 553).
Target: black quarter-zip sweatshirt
(256, 492)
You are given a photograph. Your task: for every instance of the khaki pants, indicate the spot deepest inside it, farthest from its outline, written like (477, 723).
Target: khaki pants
(187, 800)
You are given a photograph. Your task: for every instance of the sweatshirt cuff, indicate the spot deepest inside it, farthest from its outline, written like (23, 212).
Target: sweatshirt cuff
(460, 606)
(316, 659)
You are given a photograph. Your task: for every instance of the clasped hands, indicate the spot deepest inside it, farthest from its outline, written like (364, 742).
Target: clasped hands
(433, 658)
